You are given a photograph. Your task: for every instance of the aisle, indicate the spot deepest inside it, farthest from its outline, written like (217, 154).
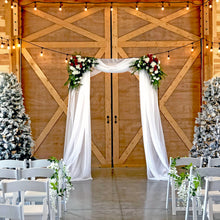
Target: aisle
(119, 194)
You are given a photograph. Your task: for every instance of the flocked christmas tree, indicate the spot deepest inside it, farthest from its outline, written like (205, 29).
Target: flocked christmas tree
(207, 132)
(15, 132)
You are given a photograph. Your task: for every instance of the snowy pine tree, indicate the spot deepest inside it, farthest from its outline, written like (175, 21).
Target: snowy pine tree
(15, 132)
(207, 132)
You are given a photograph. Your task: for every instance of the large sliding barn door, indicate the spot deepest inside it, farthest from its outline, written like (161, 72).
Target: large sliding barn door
(115, 107)
(72, 30)
(151, 30)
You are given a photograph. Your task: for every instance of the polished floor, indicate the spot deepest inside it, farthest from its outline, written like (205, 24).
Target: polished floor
(119, 194)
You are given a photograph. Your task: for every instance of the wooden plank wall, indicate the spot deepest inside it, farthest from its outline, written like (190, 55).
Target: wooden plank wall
(4, 52)
(135, 33)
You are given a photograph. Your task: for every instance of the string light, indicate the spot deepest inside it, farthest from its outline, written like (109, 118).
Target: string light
(210, 4)
(60, 8)
(41, 53)
(111, 8)
(192, 49)
(211, 48)
(187, 6)
(18, 45)
(218, 47)
(85, 9)
(66, 60)
(162, 8)
(6, 1)
(13, 46)
(217, 1)
(168, 56)
(136, 6)
(12, 5)
(35, 6)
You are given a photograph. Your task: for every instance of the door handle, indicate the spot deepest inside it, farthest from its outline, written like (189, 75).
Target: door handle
(107, 119)
(116, 119)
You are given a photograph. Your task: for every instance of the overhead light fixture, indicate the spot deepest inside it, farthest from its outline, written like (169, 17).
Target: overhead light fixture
(35, 6)
(211, 48)
(192, 49)
(66, 60)
(168, 56)
(162, 7)
(111, 8)
(187, 6)
(41, 53)
(60, 8)
(136, 6)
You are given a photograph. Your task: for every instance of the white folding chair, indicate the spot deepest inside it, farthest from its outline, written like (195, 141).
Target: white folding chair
(203, 173)
(13, 163)
(8, 174)
(182, 161)
(30, 211)
(12, 211)
(39, 163)
(211, 208)
(34, 173)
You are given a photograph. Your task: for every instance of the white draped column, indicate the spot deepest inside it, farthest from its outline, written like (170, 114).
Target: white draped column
(77, 146)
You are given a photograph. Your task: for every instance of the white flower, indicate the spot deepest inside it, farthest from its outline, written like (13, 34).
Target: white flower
(76, 72)
(153, 64)
(147, 67)
(78, 56)
(79, 60)
(78, 66)
(89, 61)
(156, 71)
(152, 74)
(146, 59)
(72, 68)
(151, 70)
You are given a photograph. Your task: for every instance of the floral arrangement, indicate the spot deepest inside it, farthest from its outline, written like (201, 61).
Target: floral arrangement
(181, 180)
(78, 65)
(151, 64)
(60, 182)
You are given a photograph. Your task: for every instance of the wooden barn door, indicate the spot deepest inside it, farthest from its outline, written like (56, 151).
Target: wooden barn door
(71, 31)
(151, 30)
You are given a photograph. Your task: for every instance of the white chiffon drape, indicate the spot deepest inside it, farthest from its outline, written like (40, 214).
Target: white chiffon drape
(77, 146)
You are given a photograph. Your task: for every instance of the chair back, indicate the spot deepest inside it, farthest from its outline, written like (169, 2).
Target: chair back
(12, 211)
(9, 174)
(213, 162)
(182, 161)
(36, 173)
(39, 163)
(207, 171)
(13, 163)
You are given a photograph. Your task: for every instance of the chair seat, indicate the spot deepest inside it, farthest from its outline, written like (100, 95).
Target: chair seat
(33, 210)
(34, 196)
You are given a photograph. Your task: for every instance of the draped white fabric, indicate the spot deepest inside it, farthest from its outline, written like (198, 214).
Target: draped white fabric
(77, 147)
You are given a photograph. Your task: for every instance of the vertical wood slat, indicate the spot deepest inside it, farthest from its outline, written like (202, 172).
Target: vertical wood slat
(115, 88)
(108, 135)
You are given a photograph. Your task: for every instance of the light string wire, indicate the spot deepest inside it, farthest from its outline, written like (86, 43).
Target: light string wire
(118, 2)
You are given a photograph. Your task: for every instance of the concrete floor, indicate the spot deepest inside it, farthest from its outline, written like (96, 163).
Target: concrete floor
(119, 194)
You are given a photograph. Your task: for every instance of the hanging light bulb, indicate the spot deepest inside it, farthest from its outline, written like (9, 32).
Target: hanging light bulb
(19, 44)
(35, 6)
(6, 1)
(211, 48)
(136, 6)
(41, 53)
(192, 49)
(218, 47)
(8, 46)
(66, 60)
(210, 4)
(12, 5)
(2, 44)
(207, 44)
(60, 8)
(162, 7)
(168, 56)
(85, 9)
(111, 8)
(13, 46)
(187, 6)
(217, 0)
